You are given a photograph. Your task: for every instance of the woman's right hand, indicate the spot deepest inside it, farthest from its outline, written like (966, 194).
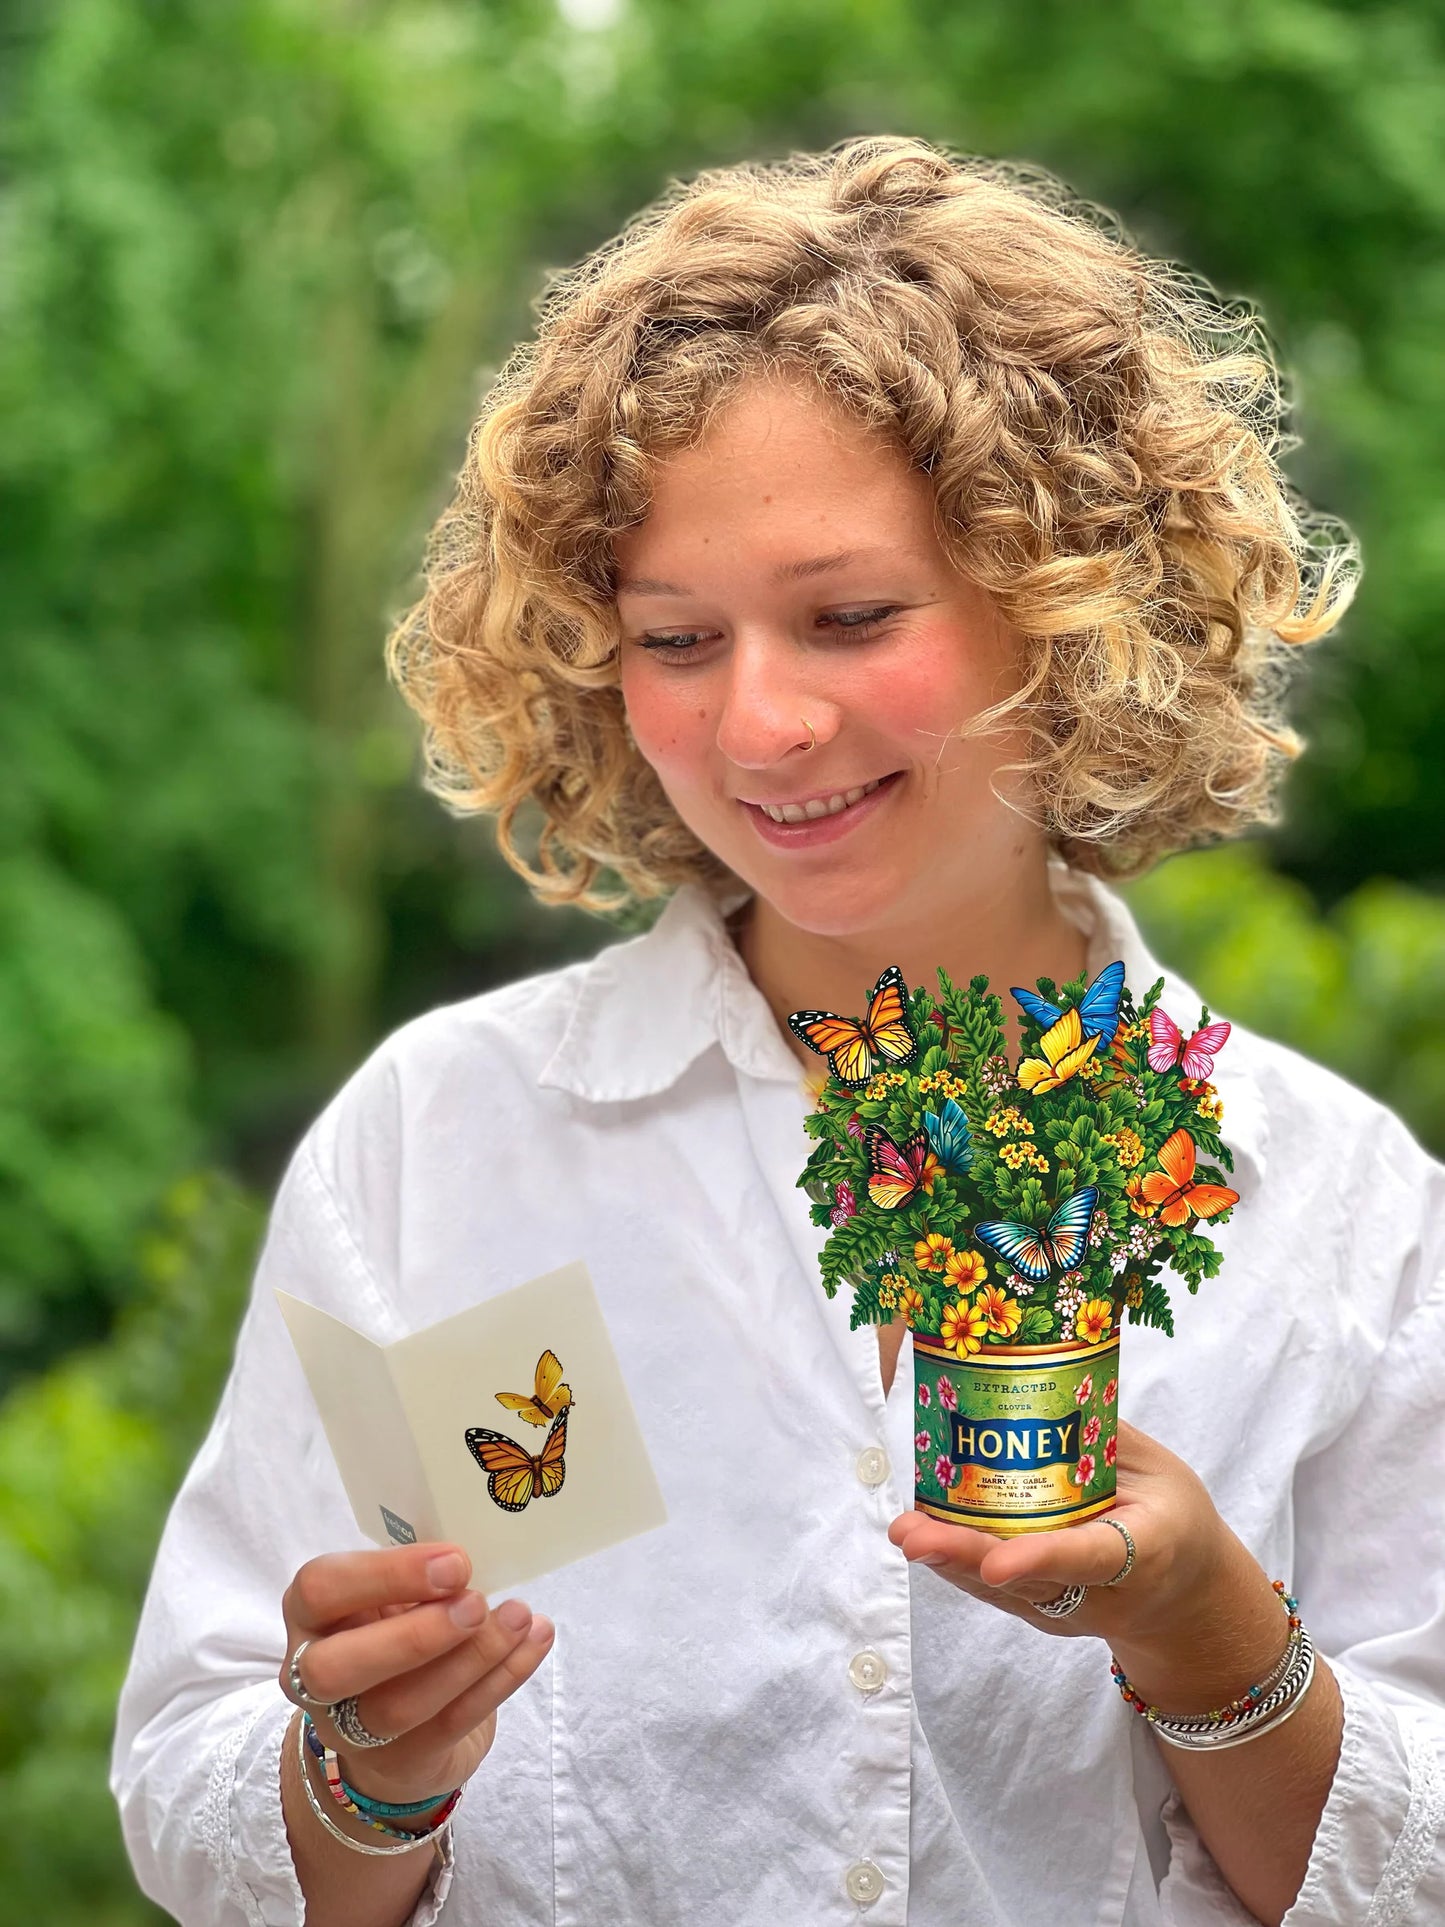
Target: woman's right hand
(428, 1662)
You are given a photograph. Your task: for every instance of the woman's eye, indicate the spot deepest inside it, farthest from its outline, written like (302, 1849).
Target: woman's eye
(853, 622)
(856, 621)
(678, 645)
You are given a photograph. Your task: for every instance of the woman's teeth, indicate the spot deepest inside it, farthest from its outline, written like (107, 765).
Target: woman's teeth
(802, 812)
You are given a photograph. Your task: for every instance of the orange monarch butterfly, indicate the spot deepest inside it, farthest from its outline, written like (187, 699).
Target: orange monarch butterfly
(548, 1396)
(517, 1475)
(1173, 1189)
(856, 1046)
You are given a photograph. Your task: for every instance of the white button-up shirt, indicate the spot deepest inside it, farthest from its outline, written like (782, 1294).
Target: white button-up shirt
(759, 1713)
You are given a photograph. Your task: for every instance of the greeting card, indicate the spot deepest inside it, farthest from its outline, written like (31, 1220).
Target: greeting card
(506, 1429)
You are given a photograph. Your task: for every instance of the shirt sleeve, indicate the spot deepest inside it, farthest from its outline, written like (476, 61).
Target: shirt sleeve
(196, 1759)
(1369, 1572)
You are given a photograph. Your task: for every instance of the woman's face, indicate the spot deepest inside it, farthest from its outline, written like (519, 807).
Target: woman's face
(788, 582)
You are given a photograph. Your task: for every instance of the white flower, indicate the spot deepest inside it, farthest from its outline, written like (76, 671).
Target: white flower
(1118, 1259)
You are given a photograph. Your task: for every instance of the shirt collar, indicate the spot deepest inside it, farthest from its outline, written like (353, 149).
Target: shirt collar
(648, 1008)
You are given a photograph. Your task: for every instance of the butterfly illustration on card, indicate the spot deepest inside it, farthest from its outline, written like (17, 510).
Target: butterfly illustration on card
(1195, 1056)
(1059, 1246)
(516, 1476)
(1098, 1008)
(1172, 1189)
(549, 1396)
(948, 1136)
(897, 1175)
(856, 1047)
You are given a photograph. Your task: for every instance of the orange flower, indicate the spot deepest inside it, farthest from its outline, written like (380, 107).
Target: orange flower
(1138, 1203)
(963, 1327)
(1001, 1314)
(910, 1303)
(964, 1270)
(932, 1253)
(1095, 1320)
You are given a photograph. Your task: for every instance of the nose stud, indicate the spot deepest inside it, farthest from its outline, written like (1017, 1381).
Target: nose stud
(812, 742)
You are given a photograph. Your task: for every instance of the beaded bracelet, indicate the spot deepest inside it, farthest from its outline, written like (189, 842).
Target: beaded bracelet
(1267, 1704)
(409, 1842)
(346, 1800)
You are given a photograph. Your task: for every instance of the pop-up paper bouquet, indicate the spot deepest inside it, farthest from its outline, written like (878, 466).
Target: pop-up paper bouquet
(1015, 1212)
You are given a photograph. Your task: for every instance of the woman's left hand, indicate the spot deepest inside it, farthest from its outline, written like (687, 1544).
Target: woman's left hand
(1184, 1551)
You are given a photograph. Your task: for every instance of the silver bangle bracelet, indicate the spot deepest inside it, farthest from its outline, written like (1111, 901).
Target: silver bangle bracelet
(1277, 1675)
(339, 1833)
(1271, 1711)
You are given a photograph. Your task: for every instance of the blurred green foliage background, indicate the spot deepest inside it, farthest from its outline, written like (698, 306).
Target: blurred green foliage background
(255, 262)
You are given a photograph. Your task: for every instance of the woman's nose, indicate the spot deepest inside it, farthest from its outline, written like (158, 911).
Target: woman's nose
(768, 712)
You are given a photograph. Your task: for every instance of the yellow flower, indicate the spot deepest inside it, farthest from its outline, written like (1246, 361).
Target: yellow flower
(1138, 1203)
(963, 1327)
(910, 1303)
(1133, 1291)
(932, 1253)
(1210, 1105)
(1001, 1314)
(1007, 1121)
(1128, 1147)
(887, 1294)
(1019, 1157)
(1094, 1320)
(964, 1270)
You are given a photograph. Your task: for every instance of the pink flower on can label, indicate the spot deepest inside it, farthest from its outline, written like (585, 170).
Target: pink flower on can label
(1111, 1449)
(1091, 1432)
(921, 1441)
(947, 1397)
(1111, 1391)
(1085, 1389)
(943, 1471)
(1084, 1470)
(924, 1395)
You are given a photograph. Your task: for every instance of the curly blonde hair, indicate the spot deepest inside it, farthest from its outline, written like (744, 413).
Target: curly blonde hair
(1102, 436)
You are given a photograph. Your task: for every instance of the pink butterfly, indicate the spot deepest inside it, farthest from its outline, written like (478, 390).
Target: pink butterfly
(1195, 1058)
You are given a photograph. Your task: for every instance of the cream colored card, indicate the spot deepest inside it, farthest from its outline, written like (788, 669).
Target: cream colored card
(411, 1423)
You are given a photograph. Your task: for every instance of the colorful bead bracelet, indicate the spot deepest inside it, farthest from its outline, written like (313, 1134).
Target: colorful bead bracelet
(351, 1802)
(1265, 1704)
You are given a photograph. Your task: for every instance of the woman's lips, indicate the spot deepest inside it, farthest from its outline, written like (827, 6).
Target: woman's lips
(821, 829)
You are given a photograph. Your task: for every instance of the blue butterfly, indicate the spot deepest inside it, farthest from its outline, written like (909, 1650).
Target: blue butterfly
(1060, 1246)
(948, 1136)
(1098, 1007)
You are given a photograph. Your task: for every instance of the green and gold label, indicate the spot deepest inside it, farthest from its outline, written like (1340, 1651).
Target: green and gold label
(1015, 1438)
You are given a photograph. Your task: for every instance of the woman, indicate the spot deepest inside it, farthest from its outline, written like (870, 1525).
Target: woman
(873, 552)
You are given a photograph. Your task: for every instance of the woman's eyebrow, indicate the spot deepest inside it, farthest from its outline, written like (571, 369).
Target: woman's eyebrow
(784, 572)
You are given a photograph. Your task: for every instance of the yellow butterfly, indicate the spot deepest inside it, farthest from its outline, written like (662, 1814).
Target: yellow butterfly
(548, 1397)
(1065, 1052)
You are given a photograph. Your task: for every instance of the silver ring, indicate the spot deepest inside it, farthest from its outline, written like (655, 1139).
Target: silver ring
(347, 1721)
(1068, 1601)
(1128, 1565)
(294, 1682)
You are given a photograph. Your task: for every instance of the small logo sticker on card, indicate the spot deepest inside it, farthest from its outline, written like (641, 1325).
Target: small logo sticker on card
(397, 1529)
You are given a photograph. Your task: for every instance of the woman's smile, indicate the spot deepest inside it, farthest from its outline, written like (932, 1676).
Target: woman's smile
(822, 816)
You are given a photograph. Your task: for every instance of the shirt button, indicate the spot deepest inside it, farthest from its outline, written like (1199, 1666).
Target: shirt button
(872, 1467)
(867, 1672)
(864, 1882)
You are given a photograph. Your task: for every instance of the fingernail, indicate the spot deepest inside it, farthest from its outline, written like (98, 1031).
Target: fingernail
(469, 1610)
(932, 1559)
(446, 1572)
(542, 1630)
(514, 1616)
